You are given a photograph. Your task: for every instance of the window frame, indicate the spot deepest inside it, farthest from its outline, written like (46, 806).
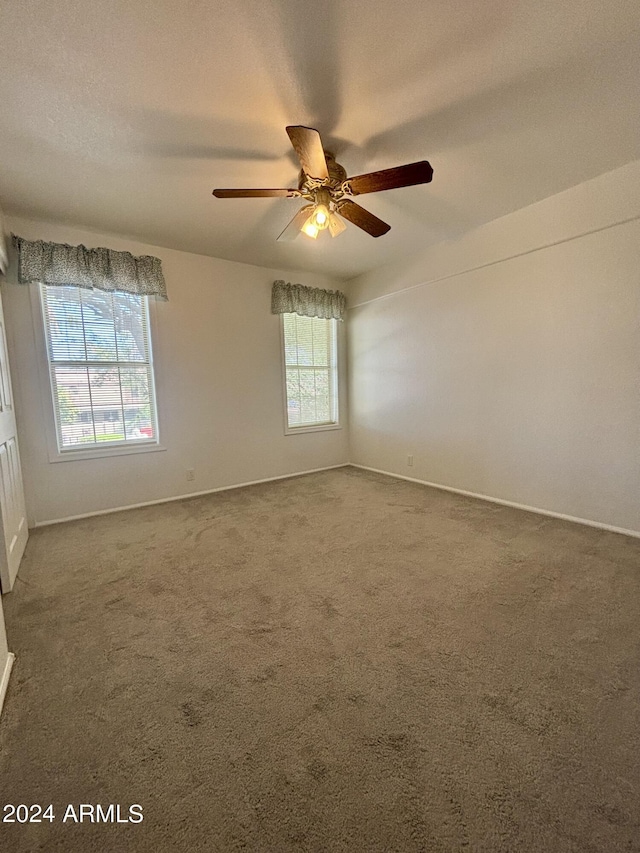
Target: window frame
(335, 381)
(72, 454)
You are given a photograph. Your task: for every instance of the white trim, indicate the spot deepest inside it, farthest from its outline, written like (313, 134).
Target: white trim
(189, 495)
(588, 522)
(109, 450)
(4, 247)
(4, 681)
(314, 428)
(521, 254)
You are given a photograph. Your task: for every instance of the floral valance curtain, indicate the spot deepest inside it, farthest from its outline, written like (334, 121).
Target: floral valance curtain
(103, 269)
(307, 301)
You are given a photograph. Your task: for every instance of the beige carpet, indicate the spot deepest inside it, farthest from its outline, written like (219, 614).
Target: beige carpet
(337, 662)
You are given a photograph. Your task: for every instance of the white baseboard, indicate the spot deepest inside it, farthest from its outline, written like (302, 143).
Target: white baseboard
(4, 680)
(588, 522)
(573, 518)
(189, 495)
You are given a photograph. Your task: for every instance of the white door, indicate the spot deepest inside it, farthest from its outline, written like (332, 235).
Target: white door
(13, 529)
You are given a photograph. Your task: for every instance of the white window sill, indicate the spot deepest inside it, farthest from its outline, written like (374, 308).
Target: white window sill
(102, 452)
(315, 428)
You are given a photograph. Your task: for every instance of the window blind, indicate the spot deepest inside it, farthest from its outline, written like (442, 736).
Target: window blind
(100, 366)
(310, 368)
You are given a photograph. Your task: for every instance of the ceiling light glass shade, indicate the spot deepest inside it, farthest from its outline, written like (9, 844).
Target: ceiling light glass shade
(320, 216)
(310, 228)
(336, 225)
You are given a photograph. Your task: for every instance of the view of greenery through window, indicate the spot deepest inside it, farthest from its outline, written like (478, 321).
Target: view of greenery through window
(100, 366)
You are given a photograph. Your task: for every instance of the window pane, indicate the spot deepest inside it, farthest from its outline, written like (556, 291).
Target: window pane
(130, 328)
(106, 404)
(321, 344)
(75, 420)
(137, 423)
(66, 335)
(135, 385)
(308, 410)
(307, 382)
(304, 341)
(322, 383)
(323, 410)
(99, 331)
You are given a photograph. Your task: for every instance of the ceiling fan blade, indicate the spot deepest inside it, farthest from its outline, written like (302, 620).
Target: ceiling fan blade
(256, 193)
(293, 228)
(390, 179)
(308, 146)
(362, 218)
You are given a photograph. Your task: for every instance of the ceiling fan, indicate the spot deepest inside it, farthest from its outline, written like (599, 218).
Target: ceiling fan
(324, 183)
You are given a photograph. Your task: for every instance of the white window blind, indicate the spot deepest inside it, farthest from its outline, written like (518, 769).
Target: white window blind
(310, 370)
(100, 365)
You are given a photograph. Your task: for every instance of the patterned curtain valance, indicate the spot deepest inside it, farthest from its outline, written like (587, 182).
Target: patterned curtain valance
(307, 301)
(77, 266)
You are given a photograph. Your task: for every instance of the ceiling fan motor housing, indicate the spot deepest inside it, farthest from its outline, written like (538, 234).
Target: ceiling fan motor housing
(337, 174)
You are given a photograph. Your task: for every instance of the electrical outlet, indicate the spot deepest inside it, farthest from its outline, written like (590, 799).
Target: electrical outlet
(191, 474)
(410, 461)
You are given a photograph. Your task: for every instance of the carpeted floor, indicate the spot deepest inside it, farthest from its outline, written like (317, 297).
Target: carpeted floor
(336, 662)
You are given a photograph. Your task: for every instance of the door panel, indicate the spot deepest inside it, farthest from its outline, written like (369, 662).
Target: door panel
(13, 528)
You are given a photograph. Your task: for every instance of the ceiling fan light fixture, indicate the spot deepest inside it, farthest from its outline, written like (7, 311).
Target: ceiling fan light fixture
(310, 228)
(320, 213)
(336, 225)
(320, 217)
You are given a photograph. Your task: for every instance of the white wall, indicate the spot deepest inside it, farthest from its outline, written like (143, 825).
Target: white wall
(508, 363)
(219, 388)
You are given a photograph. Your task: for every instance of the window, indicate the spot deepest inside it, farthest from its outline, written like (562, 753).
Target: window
(100, 368)
(310, 364)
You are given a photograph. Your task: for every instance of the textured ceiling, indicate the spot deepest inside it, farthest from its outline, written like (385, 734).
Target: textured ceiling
(123, 116)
